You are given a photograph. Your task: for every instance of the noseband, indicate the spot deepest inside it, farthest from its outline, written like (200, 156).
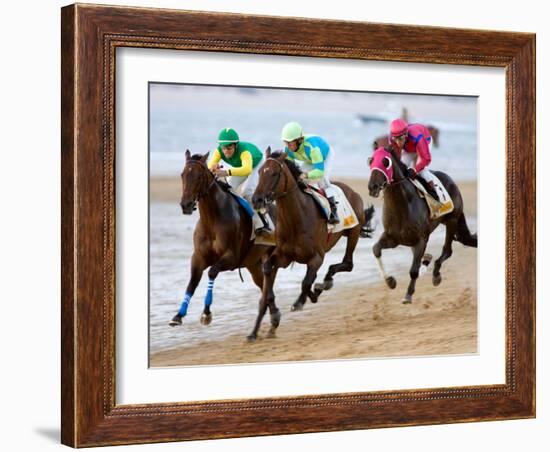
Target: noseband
(387, 182)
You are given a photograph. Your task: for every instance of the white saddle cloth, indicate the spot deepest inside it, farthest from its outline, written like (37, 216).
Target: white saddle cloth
(437, 209)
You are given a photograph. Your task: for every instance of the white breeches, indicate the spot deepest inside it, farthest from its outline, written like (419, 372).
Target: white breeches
(322, 182)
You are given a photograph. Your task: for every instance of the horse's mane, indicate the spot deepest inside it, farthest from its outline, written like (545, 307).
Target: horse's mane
(223, 185)
(294, 169)
(397, 160)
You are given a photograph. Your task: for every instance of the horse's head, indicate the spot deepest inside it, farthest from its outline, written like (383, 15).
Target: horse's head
(196, 179)
(381, 165)
(274, 177)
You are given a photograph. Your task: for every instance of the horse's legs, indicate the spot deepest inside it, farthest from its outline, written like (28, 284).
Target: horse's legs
(224, 263)
(270, 268)
(384, 242)
(312, 267)
(345, 266)
(450, 232)
(197, 268)
(257, 275)
(418, 253)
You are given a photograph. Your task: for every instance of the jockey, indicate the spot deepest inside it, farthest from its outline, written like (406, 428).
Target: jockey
(414, 141)
(245, 160)
(317, 157)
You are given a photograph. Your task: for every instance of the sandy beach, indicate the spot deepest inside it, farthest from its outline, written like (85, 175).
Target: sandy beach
(359, 317)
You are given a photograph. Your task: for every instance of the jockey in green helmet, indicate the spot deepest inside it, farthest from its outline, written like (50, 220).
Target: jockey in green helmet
(316, 157)
(244, 160)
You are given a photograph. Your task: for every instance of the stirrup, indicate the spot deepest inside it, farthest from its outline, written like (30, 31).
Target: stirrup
(333, 218)
(264, 230)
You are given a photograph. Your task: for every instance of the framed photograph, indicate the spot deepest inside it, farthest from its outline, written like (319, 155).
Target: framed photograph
(239, 202)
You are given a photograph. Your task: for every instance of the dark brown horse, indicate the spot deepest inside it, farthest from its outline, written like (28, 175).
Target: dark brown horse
(301, 234)
(406, 217)
(383, 141)
(222, 235)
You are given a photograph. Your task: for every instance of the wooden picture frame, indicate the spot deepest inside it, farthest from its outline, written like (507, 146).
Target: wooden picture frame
(90, 37)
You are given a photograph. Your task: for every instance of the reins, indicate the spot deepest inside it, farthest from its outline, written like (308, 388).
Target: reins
(273, 195)
(203, 192)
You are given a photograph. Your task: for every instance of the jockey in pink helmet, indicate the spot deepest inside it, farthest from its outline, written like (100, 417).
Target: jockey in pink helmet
(413, 141)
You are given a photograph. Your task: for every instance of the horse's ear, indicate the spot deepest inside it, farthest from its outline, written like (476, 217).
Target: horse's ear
(187, 155)
(268, 152)
(204, 158)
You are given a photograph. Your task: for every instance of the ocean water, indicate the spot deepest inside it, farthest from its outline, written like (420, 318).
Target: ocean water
(190, 117)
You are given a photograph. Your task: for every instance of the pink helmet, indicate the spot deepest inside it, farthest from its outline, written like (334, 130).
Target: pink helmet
(398, 127)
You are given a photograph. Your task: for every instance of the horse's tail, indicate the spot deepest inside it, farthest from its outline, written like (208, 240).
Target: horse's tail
(463, 234)
(367, 228)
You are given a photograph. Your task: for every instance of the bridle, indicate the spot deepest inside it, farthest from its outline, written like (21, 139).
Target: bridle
(272, 196)
(387, 182)
(203, 182)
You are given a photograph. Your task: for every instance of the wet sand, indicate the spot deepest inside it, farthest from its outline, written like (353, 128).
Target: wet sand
(350, 321)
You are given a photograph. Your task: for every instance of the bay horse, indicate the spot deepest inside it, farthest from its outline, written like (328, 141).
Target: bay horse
(383, 141)
(221, 237)
(302, 234)
(406, 217)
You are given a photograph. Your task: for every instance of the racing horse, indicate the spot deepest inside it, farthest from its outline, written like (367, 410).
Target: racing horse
(406, 217)
(302, 234)
(222, 235)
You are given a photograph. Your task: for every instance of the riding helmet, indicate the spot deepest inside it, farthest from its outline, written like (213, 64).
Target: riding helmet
(398, 127)
(291, 131)
(227, 136)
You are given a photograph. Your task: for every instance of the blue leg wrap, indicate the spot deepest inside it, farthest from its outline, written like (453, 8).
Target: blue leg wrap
(209, 293)
(184, 305)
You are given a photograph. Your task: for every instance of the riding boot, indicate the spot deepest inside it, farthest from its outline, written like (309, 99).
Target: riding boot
(430, 186)
(265, 229)
(333, 211)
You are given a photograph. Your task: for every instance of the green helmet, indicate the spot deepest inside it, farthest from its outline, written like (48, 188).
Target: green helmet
(227, 136)
(291, 131)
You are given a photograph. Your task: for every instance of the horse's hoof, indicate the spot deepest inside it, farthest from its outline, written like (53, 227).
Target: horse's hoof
(297, 307)
(275, 319)
(271, 334)
(427, 259)
(436, 280)
(407, 299)
(391, 282)
(313, 297)
(176, 320)
(251, 337)
(327, 284)
(206, 319)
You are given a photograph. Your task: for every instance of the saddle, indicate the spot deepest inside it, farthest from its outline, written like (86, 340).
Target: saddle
(347, 216)
(437, 208)
(258, 239)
